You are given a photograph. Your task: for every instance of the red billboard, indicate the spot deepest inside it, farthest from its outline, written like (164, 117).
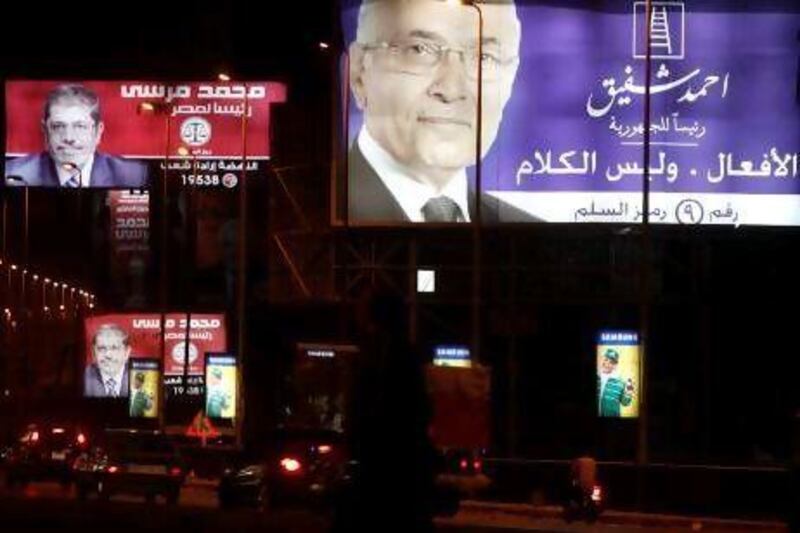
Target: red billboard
(101, 133)
(111, 340)
(135, 115)
(206, 334)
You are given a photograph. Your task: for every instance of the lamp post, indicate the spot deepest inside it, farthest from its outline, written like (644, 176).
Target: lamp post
(159, 108)
(45, 283)
(642, 455)
(241, 281)
(477, 232)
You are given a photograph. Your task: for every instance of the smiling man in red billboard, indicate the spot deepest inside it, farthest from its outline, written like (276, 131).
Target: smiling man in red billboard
(107, 374)
(73, 127)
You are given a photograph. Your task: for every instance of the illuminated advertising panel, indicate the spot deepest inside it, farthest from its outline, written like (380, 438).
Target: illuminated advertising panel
(112, 340)
(144, 383)
(618, 374)
(221, 387)
(206, 334)
(452, 355)
(112, 134)
(129, 238)
(563, 125)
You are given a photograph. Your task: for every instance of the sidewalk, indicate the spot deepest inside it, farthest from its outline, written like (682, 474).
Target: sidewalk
(515, 515)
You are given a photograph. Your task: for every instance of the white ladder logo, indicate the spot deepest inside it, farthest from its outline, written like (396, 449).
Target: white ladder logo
(667, 30)
(659, 30)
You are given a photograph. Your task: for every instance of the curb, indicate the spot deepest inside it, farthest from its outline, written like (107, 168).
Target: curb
(612, 517)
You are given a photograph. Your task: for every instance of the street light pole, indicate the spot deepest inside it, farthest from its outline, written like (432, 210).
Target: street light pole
(241, 283)
(477, 229)
(644, 325)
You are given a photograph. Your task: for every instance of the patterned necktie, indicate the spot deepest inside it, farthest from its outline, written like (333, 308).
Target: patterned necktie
(111, 387)
(442, 209)
(73, 181)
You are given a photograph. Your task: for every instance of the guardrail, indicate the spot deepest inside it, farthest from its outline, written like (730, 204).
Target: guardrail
(725, 491)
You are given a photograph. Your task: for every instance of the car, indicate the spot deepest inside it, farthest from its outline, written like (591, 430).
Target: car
(297, 465)
(44, 451)
(462, 470)
(131, 461)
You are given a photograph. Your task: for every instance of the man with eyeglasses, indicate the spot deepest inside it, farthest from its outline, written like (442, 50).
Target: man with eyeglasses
(414, 74)
(72, 129)
(107, 375)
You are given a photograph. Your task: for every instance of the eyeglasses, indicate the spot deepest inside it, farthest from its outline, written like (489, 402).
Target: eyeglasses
(79, 129)
(423, 57)
(108, 348)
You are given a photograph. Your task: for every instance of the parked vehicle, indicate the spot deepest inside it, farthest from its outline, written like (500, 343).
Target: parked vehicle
(297, 465)
(131, 461)
(44, 452)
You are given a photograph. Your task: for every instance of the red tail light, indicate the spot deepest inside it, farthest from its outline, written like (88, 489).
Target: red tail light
(597, 493)
(35, 436)
(324, 449)
(175, 471)
(58, 431)
(290, 465)
(112, 469)
(463, 464)
(477, 465)
(81, 439)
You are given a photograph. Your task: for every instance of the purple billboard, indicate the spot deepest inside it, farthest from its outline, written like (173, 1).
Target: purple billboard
(563, 121)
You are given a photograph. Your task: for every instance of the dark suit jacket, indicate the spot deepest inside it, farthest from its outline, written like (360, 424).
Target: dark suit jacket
(369, 200)
(93, 386)
(39, 170)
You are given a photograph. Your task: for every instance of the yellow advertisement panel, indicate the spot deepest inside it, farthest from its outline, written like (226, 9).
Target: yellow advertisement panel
(144, 376)
(221, 386)
(618, 374)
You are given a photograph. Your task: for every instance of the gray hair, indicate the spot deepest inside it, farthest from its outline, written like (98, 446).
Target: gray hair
(74, 93)
(368, 6)
(110, 328)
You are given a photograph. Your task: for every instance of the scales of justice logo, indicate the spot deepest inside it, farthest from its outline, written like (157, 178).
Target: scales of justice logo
(196, 131)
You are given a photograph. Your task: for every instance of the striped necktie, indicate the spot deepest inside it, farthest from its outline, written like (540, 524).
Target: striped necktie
(111, 387)
(73, 182)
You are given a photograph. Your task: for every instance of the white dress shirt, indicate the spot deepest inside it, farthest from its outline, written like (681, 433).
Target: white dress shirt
(411, 194)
